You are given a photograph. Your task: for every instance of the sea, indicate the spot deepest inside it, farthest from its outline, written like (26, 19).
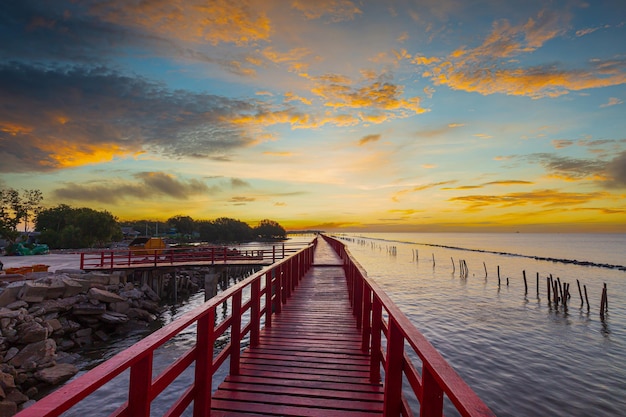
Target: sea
(522, 355)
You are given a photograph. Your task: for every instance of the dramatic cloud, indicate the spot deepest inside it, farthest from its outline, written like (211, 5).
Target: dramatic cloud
(149, 185)
(214, 22)
(490, 68)
(397, 196)
(571, 169)
(64, 117)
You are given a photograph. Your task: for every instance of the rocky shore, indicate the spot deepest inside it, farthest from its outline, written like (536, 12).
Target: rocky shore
(46, 318)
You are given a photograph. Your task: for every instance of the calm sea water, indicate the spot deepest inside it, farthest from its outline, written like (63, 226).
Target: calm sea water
(521, 355)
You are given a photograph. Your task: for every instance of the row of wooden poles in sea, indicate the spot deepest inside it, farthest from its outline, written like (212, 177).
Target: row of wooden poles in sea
(558, 292)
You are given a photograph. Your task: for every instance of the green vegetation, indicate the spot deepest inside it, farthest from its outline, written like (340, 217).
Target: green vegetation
(67, 227)
(16, 208)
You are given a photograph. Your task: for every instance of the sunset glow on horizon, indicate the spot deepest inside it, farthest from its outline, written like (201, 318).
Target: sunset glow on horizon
(340, 115)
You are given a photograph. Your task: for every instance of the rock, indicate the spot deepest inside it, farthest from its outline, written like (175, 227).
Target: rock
(111, 317)
(10, 354)
(102, 335)
(2, 394)
(33, 292)
(7, 408)
(83, 332)
(10, 293)
(31, 392)
(88, 309)
(137, 313)
(54, 324)
(57, 373)
(30, 332)
(17, 397)
(72, 287)
(133, 294)
(104, 296)
(17, 305)
(120, 307)
(6, 313)
(97, 278)
(38, 352)
(150, 306)
(150, 293)
(7, 381)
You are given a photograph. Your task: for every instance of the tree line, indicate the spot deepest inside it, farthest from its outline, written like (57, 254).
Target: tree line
(68, 227)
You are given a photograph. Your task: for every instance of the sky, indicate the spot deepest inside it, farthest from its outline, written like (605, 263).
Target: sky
(341, 115)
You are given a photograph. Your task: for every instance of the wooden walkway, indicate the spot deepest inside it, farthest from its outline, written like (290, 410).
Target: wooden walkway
(309, 363)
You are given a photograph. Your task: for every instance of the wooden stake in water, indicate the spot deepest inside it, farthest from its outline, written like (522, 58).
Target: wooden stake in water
(453, 267)
(537, 284)
(484, 265)
(580, 293)
(525, 284)
(586, 297)
(548, 283)
(498, 275)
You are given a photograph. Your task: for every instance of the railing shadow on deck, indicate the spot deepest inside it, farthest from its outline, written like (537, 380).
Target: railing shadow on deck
(268, 289)
(370, 305)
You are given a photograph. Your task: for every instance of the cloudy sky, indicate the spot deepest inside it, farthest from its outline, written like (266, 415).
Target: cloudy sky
(397, 115)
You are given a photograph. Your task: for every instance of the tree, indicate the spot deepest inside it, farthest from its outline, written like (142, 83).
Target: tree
(15, 209)
(67, 227)
(224, 229)
(184, 225)
(269, 229)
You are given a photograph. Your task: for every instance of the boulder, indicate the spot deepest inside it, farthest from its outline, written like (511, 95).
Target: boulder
(33, 292)
(133, 294)
(10, 354)
(10, 293)
(38, 352)
(5, 313)
(72, 287)
(7, 381)
(17, 305)
(111, 317)
(88, 309)
(137, 313)
(119, 307)
(30, 332)
(56, 374)
(17, 397)
(150, 293)
(104, 296)
(7, 408)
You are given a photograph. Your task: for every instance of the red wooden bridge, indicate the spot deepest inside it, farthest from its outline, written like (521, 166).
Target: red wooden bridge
(324, 340)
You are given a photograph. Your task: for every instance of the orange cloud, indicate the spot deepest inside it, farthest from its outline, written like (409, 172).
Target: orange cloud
(337, 10)
(396, 197)
(215, 22)
(546, 198)
(488, 68)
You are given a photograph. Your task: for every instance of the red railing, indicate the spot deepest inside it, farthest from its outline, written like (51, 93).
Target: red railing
(111, 259)
(268, 290)
(370, 306)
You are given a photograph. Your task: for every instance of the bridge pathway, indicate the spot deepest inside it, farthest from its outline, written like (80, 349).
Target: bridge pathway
(309, 363)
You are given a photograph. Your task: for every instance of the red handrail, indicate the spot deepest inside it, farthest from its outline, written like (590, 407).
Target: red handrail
(111, 259)
(143, 388)
(437, 377)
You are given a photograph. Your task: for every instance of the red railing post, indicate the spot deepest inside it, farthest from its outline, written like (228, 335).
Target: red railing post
(139, 387)
(156, 257)
(102, 258)
(235, 333)
(255, 312)
(393, 370)
(375, 353)
(204, 363)
(367, 320)
(273, 253)
(279, 289)
(431, 404)
(283, 251)
(112, 255)
(358, 297)
(82, 260)
(269, 304)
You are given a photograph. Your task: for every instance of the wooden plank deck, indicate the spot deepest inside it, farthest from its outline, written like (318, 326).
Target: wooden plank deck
(309, 363)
